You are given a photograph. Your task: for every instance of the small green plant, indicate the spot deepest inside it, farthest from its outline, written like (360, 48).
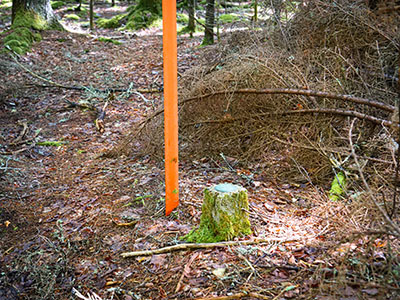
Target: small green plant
(51, 143)
(338, 187)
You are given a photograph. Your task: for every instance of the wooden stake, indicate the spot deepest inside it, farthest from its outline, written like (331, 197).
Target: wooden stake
(170, 105)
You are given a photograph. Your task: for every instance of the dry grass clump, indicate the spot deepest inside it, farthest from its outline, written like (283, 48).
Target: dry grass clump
(339, 47)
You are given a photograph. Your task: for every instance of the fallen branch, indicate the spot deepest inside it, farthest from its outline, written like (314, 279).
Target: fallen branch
(204, 246)
(237, 296)
(302, 92)
(22, 133)
(137, 128)
(331, 111)
(106, 90)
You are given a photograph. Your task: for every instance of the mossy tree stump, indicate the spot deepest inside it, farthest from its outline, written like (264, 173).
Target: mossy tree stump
(224, 215)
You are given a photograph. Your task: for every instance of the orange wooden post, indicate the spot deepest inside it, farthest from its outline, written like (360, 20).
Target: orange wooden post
(170, 105)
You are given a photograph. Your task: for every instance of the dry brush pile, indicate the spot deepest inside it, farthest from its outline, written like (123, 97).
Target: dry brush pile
(296, 91)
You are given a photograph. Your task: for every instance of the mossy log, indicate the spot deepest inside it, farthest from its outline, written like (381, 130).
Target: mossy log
(224, 215)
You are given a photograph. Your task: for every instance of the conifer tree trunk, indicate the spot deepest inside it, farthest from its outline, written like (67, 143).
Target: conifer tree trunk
(210, 21)
(39, 8)
(191, 11)
(91, 15)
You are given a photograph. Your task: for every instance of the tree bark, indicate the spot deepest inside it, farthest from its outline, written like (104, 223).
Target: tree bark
(191, 11)
(210, 21)
(41, 8)
(91, 15)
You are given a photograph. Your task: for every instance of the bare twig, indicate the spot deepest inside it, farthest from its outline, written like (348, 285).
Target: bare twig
(19, 138)
(389, 221)
(237, 296)
(205, 246)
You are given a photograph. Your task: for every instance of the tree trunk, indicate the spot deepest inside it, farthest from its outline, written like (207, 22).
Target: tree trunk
(91, 15)
(255, 16)
(210, 21)
(191, 11)
(37, 14)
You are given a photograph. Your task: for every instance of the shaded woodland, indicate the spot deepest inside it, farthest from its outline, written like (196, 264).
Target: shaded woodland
(296, 101)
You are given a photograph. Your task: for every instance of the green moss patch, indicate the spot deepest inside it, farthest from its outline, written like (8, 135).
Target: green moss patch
(20, 39)
(228, 18)
(57, 4)
(29, 19)
(114, 22)
(72, 17)
(108, 40)
(144, 14)
(139, 19)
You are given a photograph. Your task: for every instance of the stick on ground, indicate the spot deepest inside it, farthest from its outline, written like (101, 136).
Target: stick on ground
(205, 246)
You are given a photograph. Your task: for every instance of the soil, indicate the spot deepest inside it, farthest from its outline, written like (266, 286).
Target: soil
(67, 215)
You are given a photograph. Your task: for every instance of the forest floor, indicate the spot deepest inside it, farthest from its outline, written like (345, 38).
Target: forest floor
(66, 215)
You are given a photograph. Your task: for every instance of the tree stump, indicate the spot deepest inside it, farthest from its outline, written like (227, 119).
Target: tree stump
(224, 215)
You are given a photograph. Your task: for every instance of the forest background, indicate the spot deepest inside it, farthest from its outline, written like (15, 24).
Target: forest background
(297, 101)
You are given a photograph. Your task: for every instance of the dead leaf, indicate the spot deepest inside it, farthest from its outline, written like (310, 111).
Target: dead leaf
(158, 261)
(371, 292)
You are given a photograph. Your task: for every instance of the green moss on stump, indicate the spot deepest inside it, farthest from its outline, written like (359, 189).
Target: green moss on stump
(223, 215)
